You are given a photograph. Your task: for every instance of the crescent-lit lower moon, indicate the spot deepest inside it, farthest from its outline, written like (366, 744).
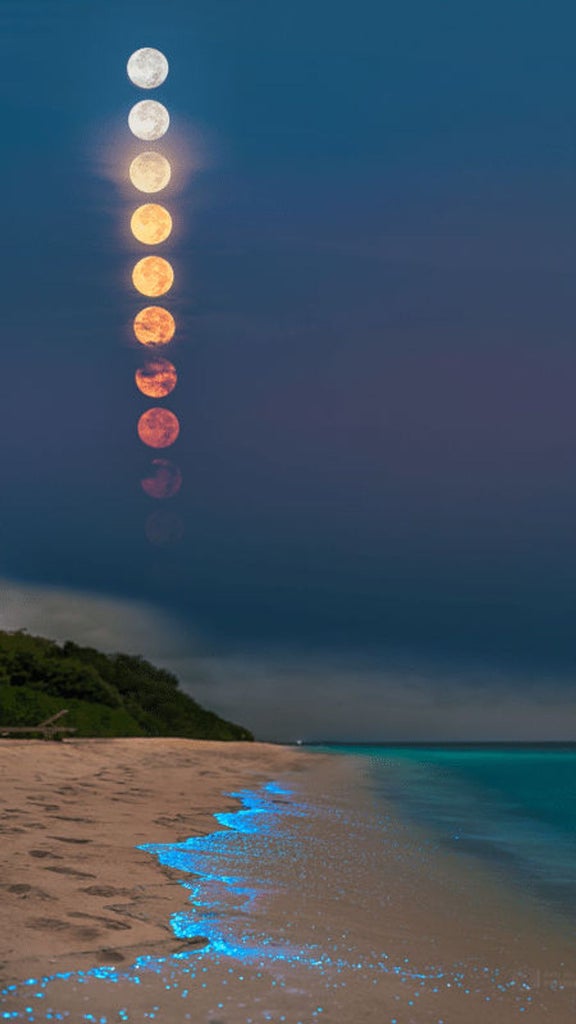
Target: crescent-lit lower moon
(151, 224)
(154, 325)
(157, 378)
(148, 120)
(147, 68)
(164, 480)
(153, 276)
(150, 172)
(158, 428)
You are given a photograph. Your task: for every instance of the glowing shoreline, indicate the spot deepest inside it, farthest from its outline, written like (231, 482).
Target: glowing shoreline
(223, 911)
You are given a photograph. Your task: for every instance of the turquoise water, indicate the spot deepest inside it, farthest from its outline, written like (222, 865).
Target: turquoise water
(514, 806)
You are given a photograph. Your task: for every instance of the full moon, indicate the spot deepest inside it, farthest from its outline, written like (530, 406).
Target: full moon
(151, 224)
(157, 378)
(158, 428)
(147, 68)
(150, 172)
(164, 481)
(148, 120)
(153, 276)
(154, 326)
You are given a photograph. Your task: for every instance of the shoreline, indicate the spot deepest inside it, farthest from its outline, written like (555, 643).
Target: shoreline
(340, 904)
(76, 890)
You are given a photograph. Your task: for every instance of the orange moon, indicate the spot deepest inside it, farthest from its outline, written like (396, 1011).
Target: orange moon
(150, 172)
(153, 276)
(154, 326)
(151, 224)
(164, 481)
(157, 378)
(158, 428)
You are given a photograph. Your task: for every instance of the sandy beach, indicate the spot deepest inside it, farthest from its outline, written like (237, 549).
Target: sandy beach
(75, 889)
(315, 910)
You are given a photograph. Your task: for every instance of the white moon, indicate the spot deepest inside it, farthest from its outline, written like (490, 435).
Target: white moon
(148, 120)
(147, 68)
(150, 172)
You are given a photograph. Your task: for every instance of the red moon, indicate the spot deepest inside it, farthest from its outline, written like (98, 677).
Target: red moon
(158, 428)
(164, 481)
(157, 378)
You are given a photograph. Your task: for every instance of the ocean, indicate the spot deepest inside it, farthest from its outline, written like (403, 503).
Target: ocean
(512, 805)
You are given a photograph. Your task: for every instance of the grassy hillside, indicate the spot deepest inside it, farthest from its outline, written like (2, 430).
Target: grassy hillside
(106, 694)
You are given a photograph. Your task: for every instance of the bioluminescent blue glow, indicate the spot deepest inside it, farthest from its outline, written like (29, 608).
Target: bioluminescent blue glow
(231, 880)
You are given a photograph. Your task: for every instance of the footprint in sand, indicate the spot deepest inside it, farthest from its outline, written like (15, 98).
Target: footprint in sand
(71, 871)
(109, 956)
(106, 890)
(69, 839)
(65, 817)
(110, 923)
(21, 889)
(52, 924)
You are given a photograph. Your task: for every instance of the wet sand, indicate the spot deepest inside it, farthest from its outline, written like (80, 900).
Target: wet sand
(322, 906)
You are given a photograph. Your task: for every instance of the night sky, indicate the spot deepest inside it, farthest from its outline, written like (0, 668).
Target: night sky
(375, 257)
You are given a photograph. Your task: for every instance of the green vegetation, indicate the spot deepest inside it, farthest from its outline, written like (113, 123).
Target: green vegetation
(105, 694)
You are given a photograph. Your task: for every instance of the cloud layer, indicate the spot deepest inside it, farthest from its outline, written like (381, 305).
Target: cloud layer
(287, 696)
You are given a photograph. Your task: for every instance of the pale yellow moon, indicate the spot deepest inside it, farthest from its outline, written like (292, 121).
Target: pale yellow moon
(158, 427)
(153, 276)
(150, 172)
(151, 224)
(154, 326)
